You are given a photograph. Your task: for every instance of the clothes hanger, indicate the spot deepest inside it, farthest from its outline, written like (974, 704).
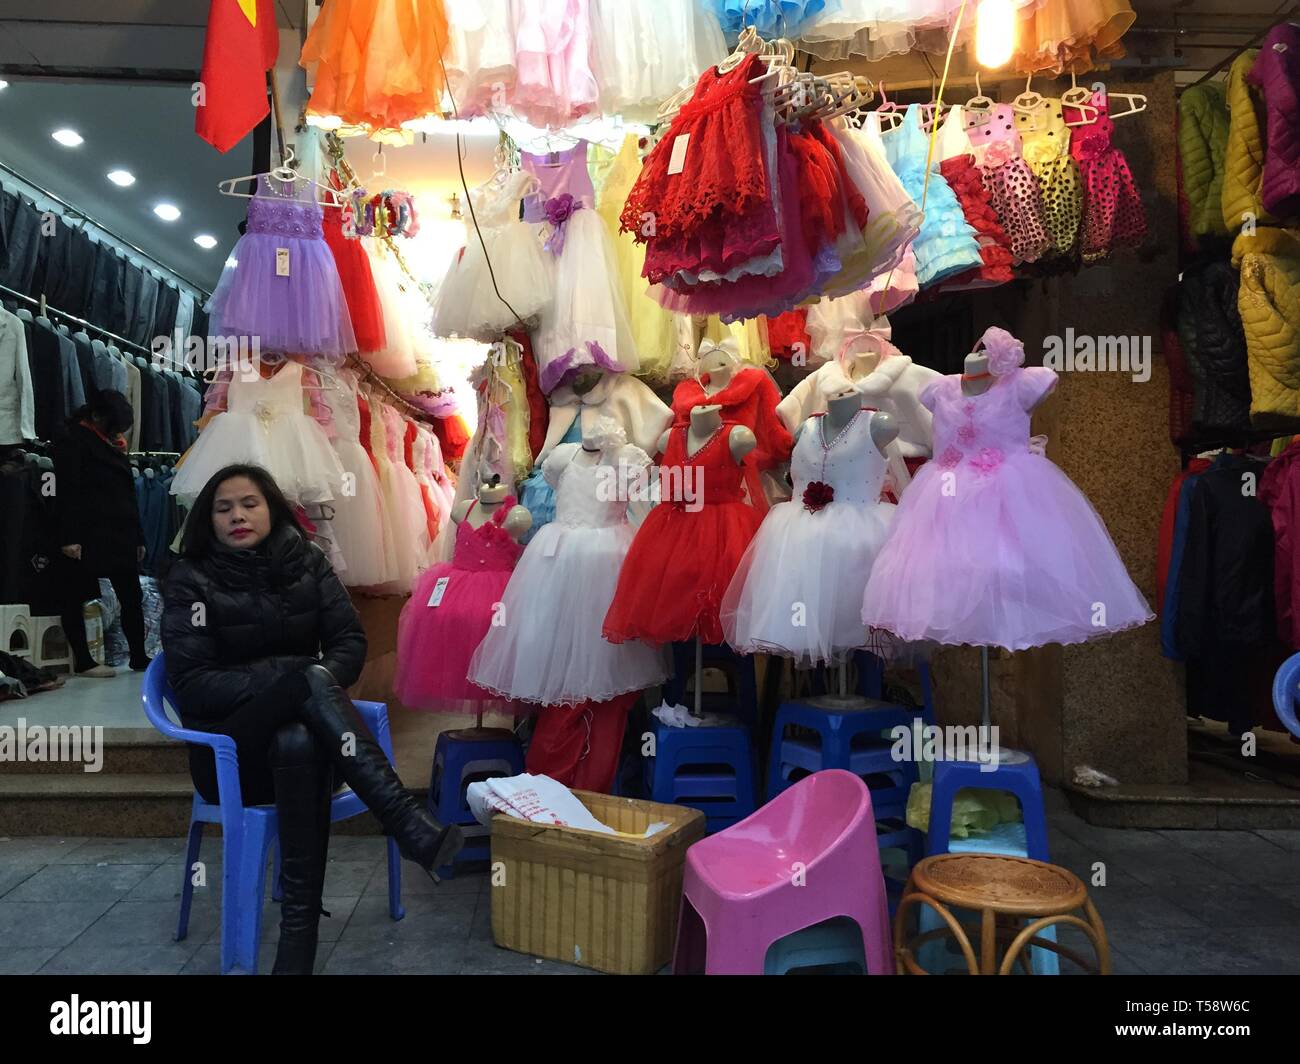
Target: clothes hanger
(979, 108)
(285, 172)
(1079, 99)
(891, 117)
(1029, 104)
(1137, 103)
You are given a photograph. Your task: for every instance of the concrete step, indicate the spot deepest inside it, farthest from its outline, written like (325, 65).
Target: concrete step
(132, 751)
(113, 805)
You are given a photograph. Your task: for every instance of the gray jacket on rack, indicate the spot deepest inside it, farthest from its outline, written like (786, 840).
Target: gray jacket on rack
(17, 401)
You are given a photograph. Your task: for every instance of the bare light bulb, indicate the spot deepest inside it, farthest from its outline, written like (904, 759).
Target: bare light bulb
(995, 33)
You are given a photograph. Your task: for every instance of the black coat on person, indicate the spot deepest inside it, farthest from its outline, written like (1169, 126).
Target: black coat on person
(265, 612)
(95, 502)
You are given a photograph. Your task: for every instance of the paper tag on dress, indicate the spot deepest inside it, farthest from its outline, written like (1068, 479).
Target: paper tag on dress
(439, 589)
(677, 162)
(552, 548)
(282, 262)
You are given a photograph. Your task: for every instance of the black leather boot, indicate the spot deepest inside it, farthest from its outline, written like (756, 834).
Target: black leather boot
(303, 781)
(337, 726)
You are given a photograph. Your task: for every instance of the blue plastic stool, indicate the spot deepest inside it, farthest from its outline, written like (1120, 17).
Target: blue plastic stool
(459, 759)
(741, 698)
(834, 942)
(1020, 780)
(1286, 688)
(725, 794)
(1021, 840)
(838, 731)
(249, 832)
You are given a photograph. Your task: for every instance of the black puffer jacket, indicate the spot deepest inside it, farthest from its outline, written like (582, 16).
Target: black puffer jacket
(1215, 345)
(264, 612)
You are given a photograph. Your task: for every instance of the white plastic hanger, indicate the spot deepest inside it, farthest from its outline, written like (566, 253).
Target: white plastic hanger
(979, 108)
(1029, 104)
(1079, 98)
(1137, 103)
(890, 115)
(285, 173)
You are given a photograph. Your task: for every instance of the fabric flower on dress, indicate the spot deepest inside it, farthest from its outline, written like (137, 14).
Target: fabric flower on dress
(950, 457)
(987, 461)
(606, 433)
(817, 495)
(559, 209)
(1004, 351)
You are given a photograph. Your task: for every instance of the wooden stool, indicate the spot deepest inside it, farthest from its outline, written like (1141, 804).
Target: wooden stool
(1005, 891)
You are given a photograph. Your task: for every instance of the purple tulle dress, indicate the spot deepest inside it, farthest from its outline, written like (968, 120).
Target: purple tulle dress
(992, 545)
(301, 311)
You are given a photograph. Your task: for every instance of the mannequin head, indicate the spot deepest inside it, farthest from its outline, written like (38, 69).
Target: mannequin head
(718, 359)
(492, 492)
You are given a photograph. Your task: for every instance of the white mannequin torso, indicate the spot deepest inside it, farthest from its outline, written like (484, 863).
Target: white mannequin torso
(705, 421)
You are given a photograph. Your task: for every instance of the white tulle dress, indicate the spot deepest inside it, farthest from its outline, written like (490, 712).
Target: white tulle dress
(264, 424)
(550, 649)
(798, 589)
(359, 528)
(467, 303)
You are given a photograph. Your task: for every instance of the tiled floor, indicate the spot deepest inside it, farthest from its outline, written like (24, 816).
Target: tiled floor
(1173, 903)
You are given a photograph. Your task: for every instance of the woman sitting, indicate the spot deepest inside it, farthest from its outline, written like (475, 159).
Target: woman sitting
(260, 641)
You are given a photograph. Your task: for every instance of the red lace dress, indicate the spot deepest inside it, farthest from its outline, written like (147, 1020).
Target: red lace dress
(957, 165)
(687, 549)
(718, 211)
(1113, 215)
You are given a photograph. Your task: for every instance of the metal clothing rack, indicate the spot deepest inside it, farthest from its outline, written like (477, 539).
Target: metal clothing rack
(77, 212)
(1290, 14)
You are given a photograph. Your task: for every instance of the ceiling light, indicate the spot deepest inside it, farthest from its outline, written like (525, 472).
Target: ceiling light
(167, 212)
(205, 241)
(3, 84)
(122, 178)
(995, 33)
(69, 138)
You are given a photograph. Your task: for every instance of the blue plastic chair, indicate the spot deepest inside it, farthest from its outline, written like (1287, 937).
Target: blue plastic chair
(249, 832)
(459, 759)
(1286, 689)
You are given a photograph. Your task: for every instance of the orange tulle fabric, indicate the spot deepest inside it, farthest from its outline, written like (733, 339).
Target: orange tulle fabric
(375, 64)
(1078, 35)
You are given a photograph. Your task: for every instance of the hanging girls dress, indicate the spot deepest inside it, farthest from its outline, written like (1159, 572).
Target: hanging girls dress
(687, 549)
(1113, 215)
(992, 544)
(549, 649)
(359, 526)
(358, 282)
(1012, 185)
(280, 284)
(798, 589)
(586, 324)
(946, 244)
(524, 274)
(957, 164)
(554, 83)
(264, 424)
(436, 640)
(1045, 145)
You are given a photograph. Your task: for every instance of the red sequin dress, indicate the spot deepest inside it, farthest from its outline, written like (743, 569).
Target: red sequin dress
(687, 549)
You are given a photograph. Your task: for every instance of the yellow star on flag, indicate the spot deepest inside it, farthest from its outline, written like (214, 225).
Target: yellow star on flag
(249, 8)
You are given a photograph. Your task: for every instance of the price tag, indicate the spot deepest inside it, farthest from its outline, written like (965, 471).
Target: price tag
(282, 262)
(552, 547)
(439, 589)
(677, 162)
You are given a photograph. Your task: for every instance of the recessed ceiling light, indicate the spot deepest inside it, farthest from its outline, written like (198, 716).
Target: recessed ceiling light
(122, 178)
(69, 138)
(205, 241)
(167, 212)
(3, 84)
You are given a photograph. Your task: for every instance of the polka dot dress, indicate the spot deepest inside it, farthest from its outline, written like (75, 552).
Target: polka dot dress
(1113, 215)
(1045, 140)
(1013, 189)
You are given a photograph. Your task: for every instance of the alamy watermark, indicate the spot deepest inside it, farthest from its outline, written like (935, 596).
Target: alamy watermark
(60, 743)
(932, 742)
(241, 354)
(629, 482)
(1072, 353)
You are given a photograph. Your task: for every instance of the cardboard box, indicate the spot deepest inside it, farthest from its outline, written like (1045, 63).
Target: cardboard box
(600, 901)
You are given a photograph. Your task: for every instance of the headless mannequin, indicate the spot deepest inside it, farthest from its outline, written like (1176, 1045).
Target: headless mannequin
(705, 421)
(720, 367)
(841, 409)
(490, 497)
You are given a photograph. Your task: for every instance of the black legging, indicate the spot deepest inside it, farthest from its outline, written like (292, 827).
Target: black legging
(126, 585)
(265, 739)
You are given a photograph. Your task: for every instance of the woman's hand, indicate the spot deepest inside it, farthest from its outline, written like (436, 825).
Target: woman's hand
(73, 550)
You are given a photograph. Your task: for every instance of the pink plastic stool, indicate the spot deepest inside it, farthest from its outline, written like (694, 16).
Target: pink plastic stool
(808, 855)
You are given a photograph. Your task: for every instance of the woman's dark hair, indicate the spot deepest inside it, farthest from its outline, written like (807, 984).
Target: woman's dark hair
(198, 539)
(111, 409)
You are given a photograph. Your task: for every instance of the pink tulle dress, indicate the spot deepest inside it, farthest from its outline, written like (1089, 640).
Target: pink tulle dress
(1113, 215)
(435, 643)
(1013, 190)
(992, 545)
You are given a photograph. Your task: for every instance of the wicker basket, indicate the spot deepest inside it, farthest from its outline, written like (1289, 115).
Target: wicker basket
(600, 901)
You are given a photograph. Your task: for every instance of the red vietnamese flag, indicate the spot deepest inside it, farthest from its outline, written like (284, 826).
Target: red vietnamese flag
(241, 46)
